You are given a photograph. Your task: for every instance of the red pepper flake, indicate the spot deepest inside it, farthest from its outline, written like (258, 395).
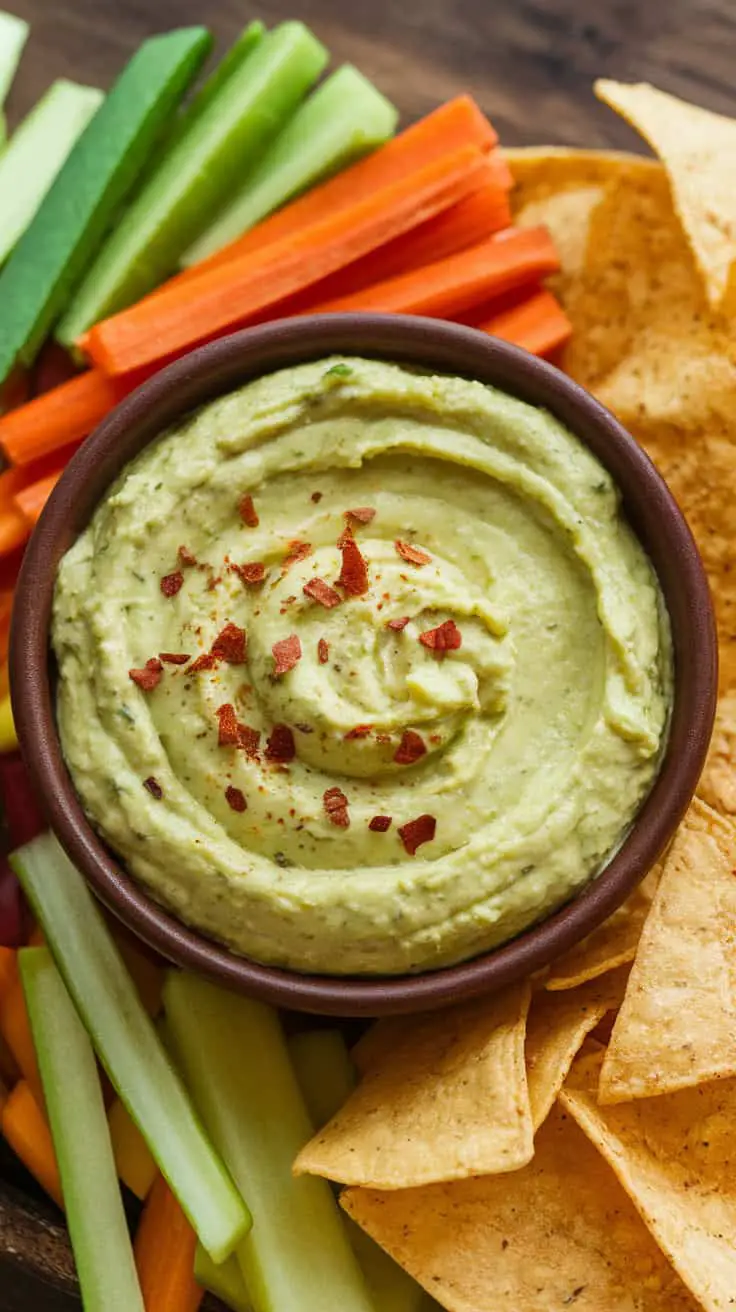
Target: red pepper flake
(414, 555)
(248, 511)
(153, 787)
(446, 637)
(361, 515)
(323, 651)
(354, 573)
(416, 832)
(230, 645)
(150, 676)
(235, 799)
(398, 625)
(320, 591)
(410, 749)
(360, 731)
(280, 744)
(336, 805)
(317, 496)
(248, 739)
(286, 653)
(228, 735)
(250, 574)
(204, 662)
(380, 823)
(174, 658)
(186, 557)
(296, 551)
(172, 583)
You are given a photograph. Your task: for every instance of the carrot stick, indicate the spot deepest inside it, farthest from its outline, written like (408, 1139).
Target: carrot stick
(164, 1249)
(53, 420)
(8, 969)
(538, 323)
(444, 289)
(32, 500)
(25, 1128)
(179, 317)
(16, 1030)
(14, 529)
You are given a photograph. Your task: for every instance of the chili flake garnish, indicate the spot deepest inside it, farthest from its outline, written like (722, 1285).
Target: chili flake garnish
(153, 787)
(248, 512)
(410, 749)
(416, 832)
(174, 657)
(171, 583)
(228, 734)
(150, 676)
(250, 574)
(235, 799)
(296, 551)
(446, 637)
(414, 555)
(354, 573)
(230, 645)
(280, 744)
(320, 591)
(398, 625)
(248, 739)
(336, 805)
(323, 651)
(317, 496)
(360, 731)
(380, 823)
(186, 557)
(286, 653)
(204, 662)
(361, 514)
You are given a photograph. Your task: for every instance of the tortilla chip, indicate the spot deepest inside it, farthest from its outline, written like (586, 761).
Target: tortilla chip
(676, 1158)
(698, 150)
(718, 781)
(677, 1023)
(449, 1100)
(612, 944)
(557, 1026)
(560, 1233)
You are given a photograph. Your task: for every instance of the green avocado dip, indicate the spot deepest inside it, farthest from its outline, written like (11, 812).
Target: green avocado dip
(361, 670)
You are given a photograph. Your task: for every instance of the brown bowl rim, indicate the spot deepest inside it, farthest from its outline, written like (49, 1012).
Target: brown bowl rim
(447, 348)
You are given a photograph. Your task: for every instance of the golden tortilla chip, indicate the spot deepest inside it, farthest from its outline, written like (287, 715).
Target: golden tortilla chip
(718, 781)
(677, 1023)
(449, 1100)
(676, 1157)
(612, 944)
(557, 1026)
(698, 150)
(561, 1233)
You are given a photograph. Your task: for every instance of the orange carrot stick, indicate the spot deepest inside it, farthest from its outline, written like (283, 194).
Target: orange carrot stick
(8, 969)
(24, 1126)
(444, 289)
(16, 1030)
(65, 414)
(164, 1254)
(538, 323)
(14, 529)
(179, 317)
(32, 500)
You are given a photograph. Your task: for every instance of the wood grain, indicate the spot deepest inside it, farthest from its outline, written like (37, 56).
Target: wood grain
(530, 64)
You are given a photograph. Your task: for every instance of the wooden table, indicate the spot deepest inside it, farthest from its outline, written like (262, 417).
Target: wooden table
(530, 64)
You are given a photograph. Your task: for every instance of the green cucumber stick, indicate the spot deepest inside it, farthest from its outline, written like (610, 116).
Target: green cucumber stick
(197, 176)
(13, 36)
(224, 1281)
(37, 151)
(86, 195)
(128, 1045)
(235, 1062)
(76, 1110)
(249, 38)
(341, 120)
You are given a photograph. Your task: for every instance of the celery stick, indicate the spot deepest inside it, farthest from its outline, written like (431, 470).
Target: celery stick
(71, 1086)
(234, 1059)
(13, 36)
(197, 176)
(37, 151)
(342, 119)
(224, 1281)
(88, 191)
(128, 1045)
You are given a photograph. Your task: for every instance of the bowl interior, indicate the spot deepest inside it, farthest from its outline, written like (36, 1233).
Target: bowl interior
(445, 348)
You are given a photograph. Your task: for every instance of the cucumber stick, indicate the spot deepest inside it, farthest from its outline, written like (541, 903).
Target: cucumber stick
(71, 1086)
(87, 193)
(224, 1281)
(197, 175)
(37, 151)
(128, 1045)
(234, 1059)
(13, 37)
(341, 120)
(249, 38)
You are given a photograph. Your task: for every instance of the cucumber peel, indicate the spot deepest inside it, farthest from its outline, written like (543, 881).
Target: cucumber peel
(87, 193)
(76, 1111)
(37, 151)
(196, 177)
(128, 1045)
(342, 120)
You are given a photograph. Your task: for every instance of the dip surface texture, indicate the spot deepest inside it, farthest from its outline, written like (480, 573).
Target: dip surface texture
(241, 792)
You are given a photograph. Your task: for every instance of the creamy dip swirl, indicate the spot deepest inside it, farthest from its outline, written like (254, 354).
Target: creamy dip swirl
(540, 733)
